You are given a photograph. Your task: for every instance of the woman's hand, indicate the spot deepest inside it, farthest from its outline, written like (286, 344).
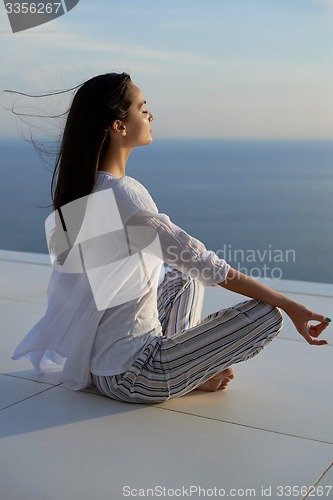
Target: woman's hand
(300, 316)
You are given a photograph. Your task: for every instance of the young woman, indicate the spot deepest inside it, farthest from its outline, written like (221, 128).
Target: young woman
(125, 295)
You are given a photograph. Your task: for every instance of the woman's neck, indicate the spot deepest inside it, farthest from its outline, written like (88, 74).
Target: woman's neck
(115, 161)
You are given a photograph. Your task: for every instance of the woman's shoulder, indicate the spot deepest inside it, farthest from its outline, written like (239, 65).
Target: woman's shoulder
(126, 190)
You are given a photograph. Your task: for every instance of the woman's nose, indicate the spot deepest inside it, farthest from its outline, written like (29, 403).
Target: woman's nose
(151, 117)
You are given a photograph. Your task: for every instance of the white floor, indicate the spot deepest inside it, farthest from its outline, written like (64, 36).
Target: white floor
(268, 435)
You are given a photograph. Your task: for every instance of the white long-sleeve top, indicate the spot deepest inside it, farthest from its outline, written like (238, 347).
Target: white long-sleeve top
(102, 301)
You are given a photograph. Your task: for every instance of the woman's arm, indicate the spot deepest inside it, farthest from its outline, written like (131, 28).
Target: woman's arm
(299, 314)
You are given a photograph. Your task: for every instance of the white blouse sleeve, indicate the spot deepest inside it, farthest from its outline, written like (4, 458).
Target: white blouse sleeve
(180, 250)
(148, 229)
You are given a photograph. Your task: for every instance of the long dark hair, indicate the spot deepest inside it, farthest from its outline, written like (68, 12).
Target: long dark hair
(96, 105)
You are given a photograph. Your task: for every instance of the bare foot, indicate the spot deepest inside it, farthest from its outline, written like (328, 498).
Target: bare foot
(217, 383)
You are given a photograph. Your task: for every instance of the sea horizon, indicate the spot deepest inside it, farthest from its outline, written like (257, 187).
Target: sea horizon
(267, 204)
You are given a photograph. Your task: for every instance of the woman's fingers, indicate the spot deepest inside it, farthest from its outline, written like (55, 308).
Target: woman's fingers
(313, 341)
(301, 316)
(319, 317)
(311, 332)
(316, 330)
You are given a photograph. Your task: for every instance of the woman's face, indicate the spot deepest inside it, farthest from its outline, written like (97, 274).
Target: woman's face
(138, 123)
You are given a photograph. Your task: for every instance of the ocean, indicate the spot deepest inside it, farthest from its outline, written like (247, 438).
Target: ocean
(265, 206)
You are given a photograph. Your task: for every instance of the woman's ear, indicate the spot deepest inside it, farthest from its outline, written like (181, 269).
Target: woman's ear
(118, 127)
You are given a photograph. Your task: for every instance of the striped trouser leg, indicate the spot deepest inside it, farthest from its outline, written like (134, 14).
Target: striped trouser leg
(179, 302)
(221, 340)
(174, 365)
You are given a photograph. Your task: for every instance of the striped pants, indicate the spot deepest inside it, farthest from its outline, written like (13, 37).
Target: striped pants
(191, 351)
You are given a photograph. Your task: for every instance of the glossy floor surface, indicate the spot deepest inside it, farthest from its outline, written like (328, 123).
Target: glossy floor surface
(270, 434)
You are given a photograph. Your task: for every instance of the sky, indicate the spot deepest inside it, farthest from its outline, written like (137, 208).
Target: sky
(209, 69)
